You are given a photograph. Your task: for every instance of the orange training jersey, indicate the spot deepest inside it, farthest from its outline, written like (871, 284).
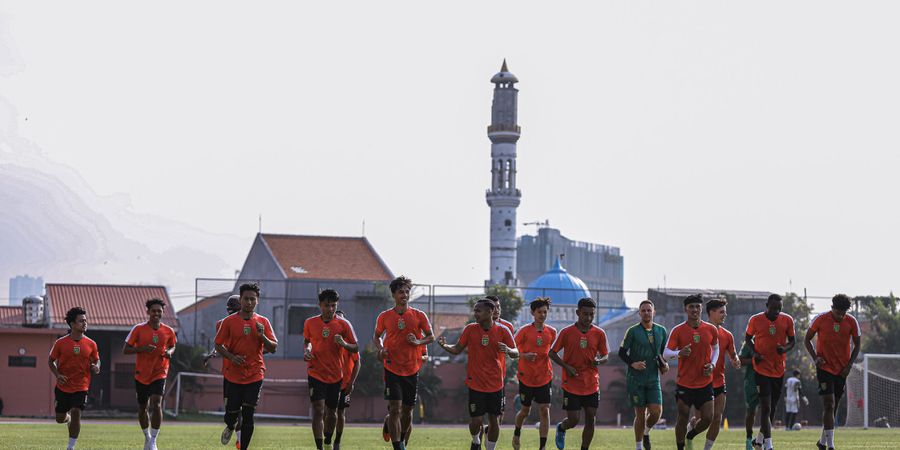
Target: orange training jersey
(833, 340)
(579, 350)
(531, 340)
(327, 364)
(73, 359)
(484, 371)
(350, 360)
(726, 346)
(701, 340)
(151, 366)
(225, 361)
(240, 337)
(403, 358)
(767, 336)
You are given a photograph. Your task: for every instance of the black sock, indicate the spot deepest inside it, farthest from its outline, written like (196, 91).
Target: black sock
(543, 443)
(246, 425)
(327, 438)
(337, 437)
(319, 444)
(680, 445)
(517, 431)
(749, 434)
(396, 445)
(692, 434)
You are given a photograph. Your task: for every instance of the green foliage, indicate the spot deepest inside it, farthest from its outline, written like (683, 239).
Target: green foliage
(798, 358)
(370, 381)
(429, 389)
(883, 317)
(511, 301)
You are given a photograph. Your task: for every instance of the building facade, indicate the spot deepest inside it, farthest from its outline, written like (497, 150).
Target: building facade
(24, 286)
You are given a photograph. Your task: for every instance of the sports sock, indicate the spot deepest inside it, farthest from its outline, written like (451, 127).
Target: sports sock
(760, 438)
(488, 445)
(154, 432)
(647, 431)
(822, 437)
(709, 444)
(639, 445)
(319, 444)
(146, 432)
(72, 443)
(337, 437)
(327, 438)
(692, 434)
(397, 445)
(829, 438)
(680, 445)
(476, 438)
(517, 431)
(768, 443)
(543, 443)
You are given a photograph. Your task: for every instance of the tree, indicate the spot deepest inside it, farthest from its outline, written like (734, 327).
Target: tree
(511, 301)
(798, 358)
(882, 315)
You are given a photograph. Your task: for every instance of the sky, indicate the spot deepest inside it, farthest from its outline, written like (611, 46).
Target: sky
(719, 145)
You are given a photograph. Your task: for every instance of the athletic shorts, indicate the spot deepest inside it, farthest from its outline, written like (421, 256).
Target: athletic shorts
(320, 390)
(830, 383)
(481, 403)
(527, 394)
(65, 401)
(397, 387)
(717, 391)
(575, 402)
(144, 391)
(769, 386)
(238, 395)
(751, 395)
(642, 394)
(695, 397)
(343, 401)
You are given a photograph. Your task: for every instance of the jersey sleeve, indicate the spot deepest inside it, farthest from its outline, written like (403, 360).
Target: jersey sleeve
(55, 351)
(132, 337)
(425, 324)
(267, 329)
(855, 330)
(814, 326)
(379, 325)
(464, 337)
(355, 356)
(731, 349)
(603, 347)
(626, 341)
(222, 335)
(508, 339)
(672, 342)
(715, 336)
(790, 331)
(750, 324)
(95, 354)
(173, 338)
(351, 333)
(520, 337)
(665, 339)
(558, 342)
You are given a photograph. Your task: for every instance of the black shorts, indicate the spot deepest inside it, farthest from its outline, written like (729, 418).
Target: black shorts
(769, 387)
(721, 390)
(397, 387)
(830, 383)
(343, 401)
(481, 403)
(144, 391)
(695, 397)
(320, 390)
(238, 395)
(574, 402)
(539, 394)
(65, 401)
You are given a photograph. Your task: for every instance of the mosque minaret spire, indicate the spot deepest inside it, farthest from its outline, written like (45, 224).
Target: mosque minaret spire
(503, 197)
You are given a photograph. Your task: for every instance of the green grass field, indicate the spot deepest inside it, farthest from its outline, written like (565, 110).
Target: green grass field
(180, 436)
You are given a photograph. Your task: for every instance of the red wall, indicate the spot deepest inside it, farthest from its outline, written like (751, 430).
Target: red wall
(27, 391)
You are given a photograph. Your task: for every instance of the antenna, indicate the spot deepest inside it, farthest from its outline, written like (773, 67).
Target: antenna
(540, 224)
(364, 228)
(260, 223)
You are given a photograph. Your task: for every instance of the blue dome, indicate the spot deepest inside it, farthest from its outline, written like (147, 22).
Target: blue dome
(562, 287)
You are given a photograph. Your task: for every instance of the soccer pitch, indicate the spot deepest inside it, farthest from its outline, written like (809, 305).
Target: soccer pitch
(183, 436)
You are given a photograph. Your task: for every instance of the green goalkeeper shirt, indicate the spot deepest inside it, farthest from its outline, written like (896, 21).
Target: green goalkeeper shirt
(644, 345)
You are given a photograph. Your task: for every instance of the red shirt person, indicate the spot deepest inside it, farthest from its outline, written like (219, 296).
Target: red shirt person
(535, 372)
(487, 343)
(72, 360)
(584, 347)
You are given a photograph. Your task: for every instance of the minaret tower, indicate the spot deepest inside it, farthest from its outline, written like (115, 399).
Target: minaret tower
(503, 197)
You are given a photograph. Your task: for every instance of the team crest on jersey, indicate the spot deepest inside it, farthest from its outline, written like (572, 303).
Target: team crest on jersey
(696, 338)
(772, 329)
(401, 324)
(484, 340)
(837, 327)
(650, 337)
(823, 386)
(247, 329)
(472, 407)
(325, 332)
(565, 401)
(76, 349)
(155, 339)
(540, 341)
(582, 343)
(637, 399)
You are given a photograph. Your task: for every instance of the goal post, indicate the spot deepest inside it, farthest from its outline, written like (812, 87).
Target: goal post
(202, 393)
(873, 391)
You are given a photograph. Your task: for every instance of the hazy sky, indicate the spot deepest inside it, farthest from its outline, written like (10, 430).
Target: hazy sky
(719, 145)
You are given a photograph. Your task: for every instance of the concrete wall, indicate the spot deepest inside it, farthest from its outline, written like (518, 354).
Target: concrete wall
(27, 391)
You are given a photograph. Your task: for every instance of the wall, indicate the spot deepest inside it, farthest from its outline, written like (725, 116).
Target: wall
(27, 391)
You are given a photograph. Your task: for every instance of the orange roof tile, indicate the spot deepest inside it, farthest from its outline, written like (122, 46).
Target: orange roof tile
(119, 306)
(327, 257)
(11, 315)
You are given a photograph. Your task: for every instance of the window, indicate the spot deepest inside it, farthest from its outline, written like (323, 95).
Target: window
(508, 222)
(278, 320)
(22, 361)
(297, 315)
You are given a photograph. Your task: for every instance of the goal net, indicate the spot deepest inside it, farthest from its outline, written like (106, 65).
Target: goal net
(873, 392)
(202, 393)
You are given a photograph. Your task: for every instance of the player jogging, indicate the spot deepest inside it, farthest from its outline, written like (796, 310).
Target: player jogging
(326, 338)
(584, 348)
(793, 393)
(834, 330)
(72, 360)
(232, 305)
(696, 345)
(716, 312)
(642, 350)
(751, 396)
(241, 339)
(401, 353)
(154, 344)
(535, 373)
(351, 372)
(770, 335)
(488, 343)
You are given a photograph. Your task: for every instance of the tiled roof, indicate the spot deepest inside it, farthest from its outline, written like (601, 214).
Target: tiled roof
(11, 315)
(107, 306)
(218, 299)
(737, 293)
(327, 257)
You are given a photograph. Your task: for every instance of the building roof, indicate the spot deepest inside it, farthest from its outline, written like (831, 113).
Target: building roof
(681, 292)
(326, 257)
(11, 315)
(108, 306)
(558, 284)
(504, 75)
(206, 302)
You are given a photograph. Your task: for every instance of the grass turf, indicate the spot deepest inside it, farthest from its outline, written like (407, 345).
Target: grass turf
(183, 436)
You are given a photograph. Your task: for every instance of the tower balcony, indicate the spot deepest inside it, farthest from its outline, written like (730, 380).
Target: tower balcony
(500, 127)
